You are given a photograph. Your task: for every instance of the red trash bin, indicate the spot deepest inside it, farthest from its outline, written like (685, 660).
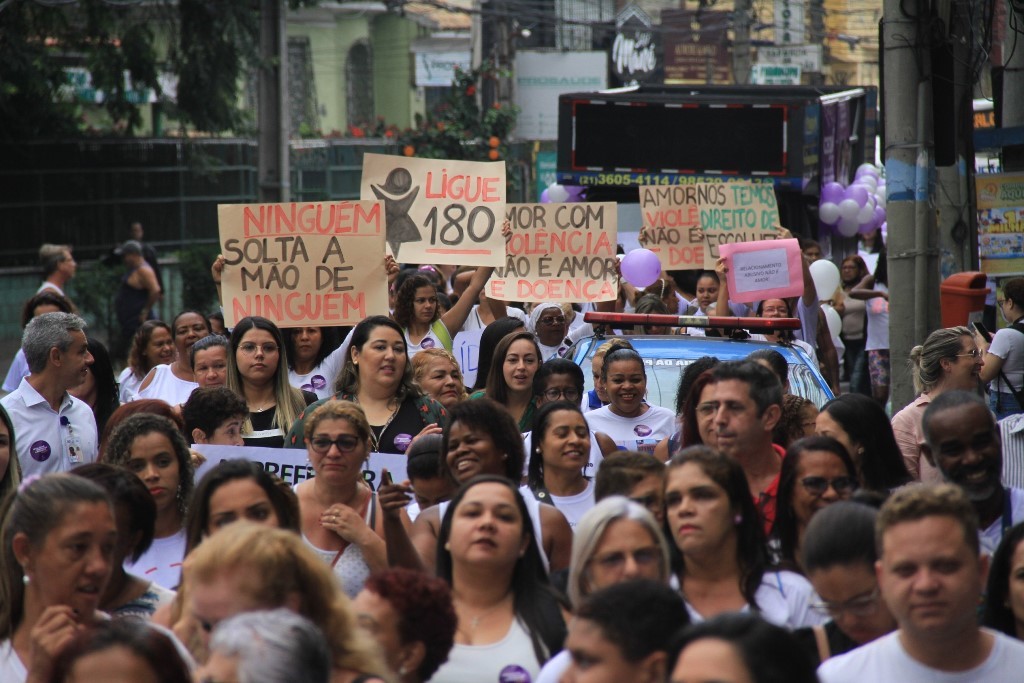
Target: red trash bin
(960, 295)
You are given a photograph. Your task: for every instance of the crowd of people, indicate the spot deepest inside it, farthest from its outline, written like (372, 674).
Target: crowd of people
(544, 532)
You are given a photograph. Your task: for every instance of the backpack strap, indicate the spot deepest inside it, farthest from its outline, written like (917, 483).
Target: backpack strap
(442, 333)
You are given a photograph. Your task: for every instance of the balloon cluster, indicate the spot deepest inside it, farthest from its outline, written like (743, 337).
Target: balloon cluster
(560, 194)
(857, 208)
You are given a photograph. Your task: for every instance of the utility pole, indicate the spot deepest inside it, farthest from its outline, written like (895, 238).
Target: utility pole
(273, 170)
(909, 162)
(955, 198)
(741, 59)
(1013, 83)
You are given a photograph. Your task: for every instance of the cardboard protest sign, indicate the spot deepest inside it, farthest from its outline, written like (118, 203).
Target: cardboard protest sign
(319, 263)
(559, 252)
(684, 224)
(292, 464)
(764, 270)
(439, 211)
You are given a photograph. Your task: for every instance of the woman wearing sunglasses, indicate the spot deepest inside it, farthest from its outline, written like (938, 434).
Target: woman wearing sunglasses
(340, 518)
(816, 472)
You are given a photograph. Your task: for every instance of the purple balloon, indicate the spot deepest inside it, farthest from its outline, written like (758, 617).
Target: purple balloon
(857, 193)
(544, 198)
(833, 193)
(575, 193)
(641, 267)
(868, 227)
(879, 216)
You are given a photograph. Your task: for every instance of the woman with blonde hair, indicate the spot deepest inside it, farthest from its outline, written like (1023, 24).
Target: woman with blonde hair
(247, 567)
(437, 372)
(948, 359)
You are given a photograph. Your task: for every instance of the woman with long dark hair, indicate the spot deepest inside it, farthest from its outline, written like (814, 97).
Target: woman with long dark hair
(713, 521)
(99, 390)
(861, 425)
(510, 380)
(509, 619)
(315, 356)
(561, 449)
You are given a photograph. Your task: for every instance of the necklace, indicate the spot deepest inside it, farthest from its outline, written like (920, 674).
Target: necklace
(375, 438)
(264, 406)
(474, 622)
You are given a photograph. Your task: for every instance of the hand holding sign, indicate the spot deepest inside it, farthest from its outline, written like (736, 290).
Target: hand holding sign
(763, 270)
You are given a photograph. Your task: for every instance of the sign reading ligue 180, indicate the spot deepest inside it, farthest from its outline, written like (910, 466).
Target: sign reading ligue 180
(439, 211)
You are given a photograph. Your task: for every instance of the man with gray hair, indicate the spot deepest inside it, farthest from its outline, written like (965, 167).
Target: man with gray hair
(54, 431)
(277, 646)
(962, 441)
(58, 265)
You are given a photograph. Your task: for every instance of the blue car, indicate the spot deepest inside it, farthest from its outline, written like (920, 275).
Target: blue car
(665, 357)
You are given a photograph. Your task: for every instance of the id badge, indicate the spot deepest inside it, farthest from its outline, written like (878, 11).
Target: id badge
(74, 446)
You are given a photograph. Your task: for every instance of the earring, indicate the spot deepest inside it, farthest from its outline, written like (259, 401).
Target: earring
(24, 579)
(448, 546)
(505, 456)
(402, 670)
(737, 519)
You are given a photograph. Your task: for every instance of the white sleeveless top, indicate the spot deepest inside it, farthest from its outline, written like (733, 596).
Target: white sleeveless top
(166, 387)
(532, 506)
(351, 569)
(510, 659)
(430, 341)
(11, 668)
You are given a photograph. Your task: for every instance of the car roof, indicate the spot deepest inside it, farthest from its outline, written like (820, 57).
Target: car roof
(666, 352)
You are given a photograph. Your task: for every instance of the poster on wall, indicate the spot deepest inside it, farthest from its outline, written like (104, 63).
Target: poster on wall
(1001, 223)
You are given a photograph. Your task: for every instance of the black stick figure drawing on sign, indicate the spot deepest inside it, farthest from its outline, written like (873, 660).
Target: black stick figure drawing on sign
(400, 228)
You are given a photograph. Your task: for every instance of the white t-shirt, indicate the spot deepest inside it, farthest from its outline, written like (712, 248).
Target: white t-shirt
(320, 380)
(641, 433)
(11, 668)
(166, 386)
(878, 321)
(18, 370)
(161, 564)
(473, 322)
(886, 660)
(129, 385)
(574, 507)
(784, 599)
(1009, 345)
(991, 536)
(510, 659)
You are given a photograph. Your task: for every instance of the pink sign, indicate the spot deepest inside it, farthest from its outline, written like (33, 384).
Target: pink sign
(763, 270)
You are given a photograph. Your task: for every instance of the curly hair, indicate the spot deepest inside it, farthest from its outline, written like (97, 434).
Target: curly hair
(119, 450)
(137, 360)
(405, 296)
(425, 613)
(790, 426)
(152, 406)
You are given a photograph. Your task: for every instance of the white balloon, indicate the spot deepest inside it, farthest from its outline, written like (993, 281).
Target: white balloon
(880, 199)
(848, 227)
(868, 182)
(868, 169)
(867, 213)
(829, 213)
(848, 208)
(557, 194)
(826, 277)
(835, 323)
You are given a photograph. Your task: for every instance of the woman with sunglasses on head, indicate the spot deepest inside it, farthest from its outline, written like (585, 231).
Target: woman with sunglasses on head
(258, 372)
(816, 472)
(174, 382)
(340, 517)
(152, 345)
(949, 359)
(839, 558)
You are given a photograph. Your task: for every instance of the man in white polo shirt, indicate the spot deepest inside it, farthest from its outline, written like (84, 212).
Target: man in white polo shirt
(931, 574)
(54, 431)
